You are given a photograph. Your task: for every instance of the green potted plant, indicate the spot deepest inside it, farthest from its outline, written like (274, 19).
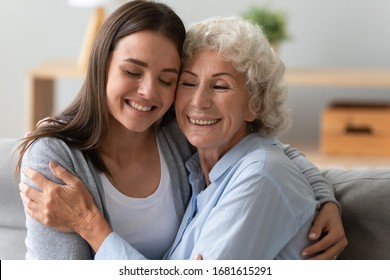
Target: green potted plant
(272, 21)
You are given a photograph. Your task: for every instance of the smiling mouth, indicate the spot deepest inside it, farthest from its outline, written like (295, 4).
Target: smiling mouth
(203, 122)
(139, 107)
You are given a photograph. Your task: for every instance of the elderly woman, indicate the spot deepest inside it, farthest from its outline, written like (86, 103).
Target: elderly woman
(249, 201)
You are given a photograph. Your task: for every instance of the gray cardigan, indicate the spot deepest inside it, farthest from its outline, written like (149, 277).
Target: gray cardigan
(45, 243)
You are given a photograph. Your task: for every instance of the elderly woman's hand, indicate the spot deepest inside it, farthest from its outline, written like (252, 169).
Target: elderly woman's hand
(328, 230)
(66, 208)
(62, 207)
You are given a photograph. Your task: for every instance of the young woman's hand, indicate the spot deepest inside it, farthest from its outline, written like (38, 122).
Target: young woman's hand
(329, 231)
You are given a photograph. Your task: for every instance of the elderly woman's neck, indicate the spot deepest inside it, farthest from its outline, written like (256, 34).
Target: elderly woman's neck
(208, 158)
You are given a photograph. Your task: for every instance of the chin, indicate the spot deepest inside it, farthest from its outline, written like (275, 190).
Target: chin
(198, 141)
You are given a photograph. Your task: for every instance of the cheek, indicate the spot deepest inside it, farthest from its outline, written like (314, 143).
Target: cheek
(113, 85)
(168, 97)
(178, 100)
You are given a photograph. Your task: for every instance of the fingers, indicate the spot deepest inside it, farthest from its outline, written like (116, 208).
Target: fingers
(30, 206)
(37, 178)
(330, 253)
(62, 174)
(328, 248)
(198, 257)
(30, 192)
(318, 247)
(315, 232)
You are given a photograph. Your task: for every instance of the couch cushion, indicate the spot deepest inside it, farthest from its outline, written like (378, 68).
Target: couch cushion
(12, 217)
(364, 196)
(12, 246)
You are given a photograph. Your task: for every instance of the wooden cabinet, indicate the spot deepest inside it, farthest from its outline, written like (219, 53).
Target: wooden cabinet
(356, 129)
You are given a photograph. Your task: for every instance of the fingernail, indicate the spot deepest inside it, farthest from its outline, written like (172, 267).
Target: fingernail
(53, 163)
(304, 254)
(312, 235)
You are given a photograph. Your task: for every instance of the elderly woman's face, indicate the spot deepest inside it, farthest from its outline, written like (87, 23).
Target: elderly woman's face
(212, 102)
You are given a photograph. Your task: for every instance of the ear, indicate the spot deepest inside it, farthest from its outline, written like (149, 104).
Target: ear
(250, 116)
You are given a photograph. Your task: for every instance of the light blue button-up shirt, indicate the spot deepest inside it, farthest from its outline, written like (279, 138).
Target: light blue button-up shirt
(258, 206)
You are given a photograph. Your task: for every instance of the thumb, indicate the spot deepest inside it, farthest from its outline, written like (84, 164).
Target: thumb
(61, 173)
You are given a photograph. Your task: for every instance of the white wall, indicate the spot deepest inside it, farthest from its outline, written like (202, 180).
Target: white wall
(325, 33)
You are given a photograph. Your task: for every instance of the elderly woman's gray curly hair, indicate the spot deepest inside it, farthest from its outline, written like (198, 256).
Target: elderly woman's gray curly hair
(246, 46)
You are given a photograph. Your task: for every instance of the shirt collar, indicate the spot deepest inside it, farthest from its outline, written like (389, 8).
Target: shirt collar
(229, 159)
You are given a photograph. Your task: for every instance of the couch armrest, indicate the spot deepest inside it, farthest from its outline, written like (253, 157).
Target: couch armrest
(12, 217)
(364, 196)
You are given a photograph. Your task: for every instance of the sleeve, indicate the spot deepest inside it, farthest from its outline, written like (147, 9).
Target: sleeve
(43, 242)
(115, 247)
(241, 225)
(322, 189)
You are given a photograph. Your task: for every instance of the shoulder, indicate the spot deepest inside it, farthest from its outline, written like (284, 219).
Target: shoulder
(260, 156)
(50, 146)
(47, 149)
(266, 166)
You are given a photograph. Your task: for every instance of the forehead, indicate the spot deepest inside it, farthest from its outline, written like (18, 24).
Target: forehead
(147, 45)
(211, 62)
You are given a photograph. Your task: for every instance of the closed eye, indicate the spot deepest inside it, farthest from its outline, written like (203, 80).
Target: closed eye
(186, 84)
(165, 82)
(133, 74)
(219, 87)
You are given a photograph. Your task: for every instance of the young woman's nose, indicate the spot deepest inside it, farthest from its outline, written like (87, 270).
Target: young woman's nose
(147, 87)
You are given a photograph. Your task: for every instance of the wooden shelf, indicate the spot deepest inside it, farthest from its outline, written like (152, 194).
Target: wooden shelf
(378, 78)
(57, 69)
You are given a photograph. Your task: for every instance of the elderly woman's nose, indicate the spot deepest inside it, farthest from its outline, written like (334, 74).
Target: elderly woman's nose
(202, 98)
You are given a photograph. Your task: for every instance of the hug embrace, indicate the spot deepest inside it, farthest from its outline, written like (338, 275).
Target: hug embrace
(170, 151)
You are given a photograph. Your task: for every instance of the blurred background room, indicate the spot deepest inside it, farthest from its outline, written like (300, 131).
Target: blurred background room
(349, 39)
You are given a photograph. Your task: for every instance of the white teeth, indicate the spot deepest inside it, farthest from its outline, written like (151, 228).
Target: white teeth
(140, 107)
(204, 122)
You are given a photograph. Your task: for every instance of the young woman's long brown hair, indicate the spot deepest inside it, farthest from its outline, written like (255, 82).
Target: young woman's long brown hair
(85, 123)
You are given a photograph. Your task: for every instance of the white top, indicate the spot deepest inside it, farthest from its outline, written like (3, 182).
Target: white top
(148, 224)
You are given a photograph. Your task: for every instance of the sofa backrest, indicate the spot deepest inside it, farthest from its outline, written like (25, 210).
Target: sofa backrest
(364, 196)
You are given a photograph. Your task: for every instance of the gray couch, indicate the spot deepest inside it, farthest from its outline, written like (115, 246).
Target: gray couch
(364, 197)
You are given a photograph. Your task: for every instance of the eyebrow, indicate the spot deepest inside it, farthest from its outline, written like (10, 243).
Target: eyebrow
(214, 75)
(144, 64)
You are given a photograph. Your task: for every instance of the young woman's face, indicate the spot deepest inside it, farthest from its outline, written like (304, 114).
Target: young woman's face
(142, 75)
(212, 102)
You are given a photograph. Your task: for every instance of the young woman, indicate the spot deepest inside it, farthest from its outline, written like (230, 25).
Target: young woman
(119, 138)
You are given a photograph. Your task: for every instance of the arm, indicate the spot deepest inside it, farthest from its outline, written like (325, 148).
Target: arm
(43, 242)
(328, 221)
(322, 189)
(71, 208)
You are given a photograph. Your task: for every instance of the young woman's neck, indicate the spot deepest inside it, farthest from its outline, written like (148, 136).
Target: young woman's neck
(126, 145)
